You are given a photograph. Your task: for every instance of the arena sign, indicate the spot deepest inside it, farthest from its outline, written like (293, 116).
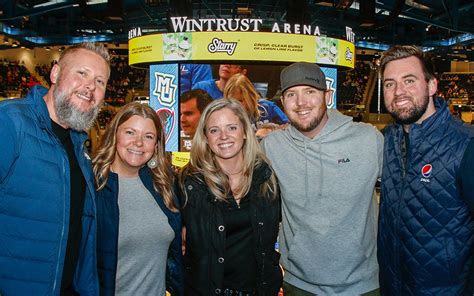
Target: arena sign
(217, 41)
(183, 24)
(239, 40)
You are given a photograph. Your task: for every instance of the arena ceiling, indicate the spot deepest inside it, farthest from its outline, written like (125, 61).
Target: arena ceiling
(445, 25)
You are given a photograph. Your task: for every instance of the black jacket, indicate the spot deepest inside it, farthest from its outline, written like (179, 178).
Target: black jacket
(205, 237)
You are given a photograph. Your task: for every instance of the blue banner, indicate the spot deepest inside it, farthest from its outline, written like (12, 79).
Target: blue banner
(164, 95)
(331, 82)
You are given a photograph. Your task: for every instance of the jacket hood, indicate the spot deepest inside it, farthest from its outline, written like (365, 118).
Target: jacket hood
(335, 121)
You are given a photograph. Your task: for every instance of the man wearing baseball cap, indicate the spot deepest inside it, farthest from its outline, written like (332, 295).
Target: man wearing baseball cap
(327, 166)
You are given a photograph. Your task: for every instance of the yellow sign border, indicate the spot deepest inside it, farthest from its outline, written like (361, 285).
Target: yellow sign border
(240, 46)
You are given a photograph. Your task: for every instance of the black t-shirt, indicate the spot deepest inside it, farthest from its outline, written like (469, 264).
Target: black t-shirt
(78, 189)
(240, 265)
(466, 178)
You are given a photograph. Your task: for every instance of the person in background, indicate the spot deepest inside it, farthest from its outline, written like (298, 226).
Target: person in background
(47, 209)
(231, 208)
(426, 228)
(139, 225)
(192, 74)
(191, 106)
(265, 129)
(260, 111)
(327, 166)
(215, 88)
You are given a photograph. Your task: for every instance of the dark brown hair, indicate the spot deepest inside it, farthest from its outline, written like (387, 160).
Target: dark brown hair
(398, 52)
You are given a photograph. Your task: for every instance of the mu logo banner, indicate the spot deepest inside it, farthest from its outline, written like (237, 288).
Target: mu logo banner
(165, 89)
(164, 100)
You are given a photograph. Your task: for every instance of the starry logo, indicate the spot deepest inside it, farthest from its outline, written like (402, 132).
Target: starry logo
(217, 45)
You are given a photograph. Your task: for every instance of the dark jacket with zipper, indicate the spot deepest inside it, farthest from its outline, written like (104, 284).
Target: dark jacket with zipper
(426, 231)
(205, 237)
(107, 236)
(35, 202)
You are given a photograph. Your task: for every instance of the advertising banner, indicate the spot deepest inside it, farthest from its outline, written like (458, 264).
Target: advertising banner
(164, 99)
(240, 46)
(331, 82)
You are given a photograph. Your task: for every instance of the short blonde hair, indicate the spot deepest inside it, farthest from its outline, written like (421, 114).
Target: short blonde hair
(97, 48)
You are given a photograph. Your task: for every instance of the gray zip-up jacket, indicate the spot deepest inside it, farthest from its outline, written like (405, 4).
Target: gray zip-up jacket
(329, 213)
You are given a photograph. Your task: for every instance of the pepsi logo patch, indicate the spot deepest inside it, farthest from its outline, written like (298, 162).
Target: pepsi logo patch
(426, 170)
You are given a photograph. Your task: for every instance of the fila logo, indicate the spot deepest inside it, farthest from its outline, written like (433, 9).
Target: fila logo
(426, 171)
(343, 160)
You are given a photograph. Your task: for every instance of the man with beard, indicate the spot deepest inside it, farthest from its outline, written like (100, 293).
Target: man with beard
(426, 228)
(47, 209)
(327, 166)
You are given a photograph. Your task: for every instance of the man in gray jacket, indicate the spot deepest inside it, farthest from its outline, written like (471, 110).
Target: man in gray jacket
(327, 166)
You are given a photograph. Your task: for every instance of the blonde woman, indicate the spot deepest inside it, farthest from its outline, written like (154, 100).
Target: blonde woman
(231, 208)
(260, 111)
(139, 226)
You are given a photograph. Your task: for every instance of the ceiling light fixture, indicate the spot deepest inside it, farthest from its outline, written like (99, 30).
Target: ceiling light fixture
(94, 2)
(49, 3)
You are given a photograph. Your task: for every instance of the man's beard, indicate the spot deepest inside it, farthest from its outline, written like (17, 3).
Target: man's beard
(313, 124)
(68, 114)
(411, 114)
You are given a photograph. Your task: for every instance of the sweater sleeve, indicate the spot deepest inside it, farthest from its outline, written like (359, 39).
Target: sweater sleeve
(466, 176)
(380, 143)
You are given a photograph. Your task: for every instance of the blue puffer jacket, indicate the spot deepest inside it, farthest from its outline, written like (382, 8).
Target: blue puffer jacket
(34, 203)
(426, 232)
(107, 236)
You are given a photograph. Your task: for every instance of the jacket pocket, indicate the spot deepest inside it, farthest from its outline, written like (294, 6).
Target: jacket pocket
(452, 267)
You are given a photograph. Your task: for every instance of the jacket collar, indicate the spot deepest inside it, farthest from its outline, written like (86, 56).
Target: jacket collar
(143, 173)
(431, 123)
(35, 96)
(261, 174)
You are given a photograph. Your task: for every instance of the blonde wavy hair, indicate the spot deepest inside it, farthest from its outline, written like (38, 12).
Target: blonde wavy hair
(105, 155)
(203, 161)
(250, 95)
